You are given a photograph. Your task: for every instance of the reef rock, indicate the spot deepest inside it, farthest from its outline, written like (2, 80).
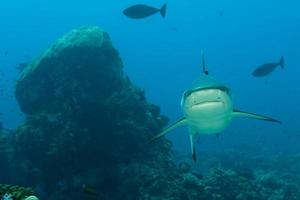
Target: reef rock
(13, 192)
(87, 124)
(81, 65)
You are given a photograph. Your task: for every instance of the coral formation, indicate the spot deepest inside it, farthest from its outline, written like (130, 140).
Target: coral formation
(31, 198)
(10, 192)
(86, 121)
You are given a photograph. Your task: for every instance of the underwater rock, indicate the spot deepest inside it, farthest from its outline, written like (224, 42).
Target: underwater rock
(6, 153)
(15, 192)
(86, 119)
(228, 185)
(184, 167)
(268, 180)
(31, 198)
(83, 60)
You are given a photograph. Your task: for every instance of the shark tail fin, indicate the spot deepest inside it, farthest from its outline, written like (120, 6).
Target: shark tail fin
(178, 123)
(163, 10)
(254, 116)
(281, 62)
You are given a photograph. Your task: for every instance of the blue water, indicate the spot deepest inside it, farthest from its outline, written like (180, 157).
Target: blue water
(163, 56)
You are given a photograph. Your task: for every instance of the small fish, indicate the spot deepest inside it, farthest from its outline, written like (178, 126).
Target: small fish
(267, 68)
(5, 53)
(141, 11)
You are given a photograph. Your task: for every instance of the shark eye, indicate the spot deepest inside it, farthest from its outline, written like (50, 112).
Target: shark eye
(187, 93)
(224, 89)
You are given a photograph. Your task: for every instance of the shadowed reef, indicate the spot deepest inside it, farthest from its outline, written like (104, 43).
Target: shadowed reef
(86, 122)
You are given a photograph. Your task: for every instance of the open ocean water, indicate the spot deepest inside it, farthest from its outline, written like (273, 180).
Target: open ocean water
(162, 57)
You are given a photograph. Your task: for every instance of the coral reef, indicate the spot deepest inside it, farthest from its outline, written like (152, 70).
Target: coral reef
(86, 121)
(6, 153)
(10, 192)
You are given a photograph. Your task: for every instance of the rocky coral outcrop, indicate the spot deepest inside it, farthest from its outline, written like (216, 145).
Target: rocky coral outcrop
(12, 192)
(85, 119)
(81, 65)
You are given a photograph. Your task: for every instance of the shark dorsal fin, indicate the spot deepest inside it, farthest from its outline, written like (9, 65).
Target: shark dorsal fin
(204, 69)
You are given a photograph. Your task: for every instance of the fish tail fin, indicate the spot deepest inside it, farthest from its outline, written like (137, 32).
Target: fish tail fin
(163, 10)
(281, 62)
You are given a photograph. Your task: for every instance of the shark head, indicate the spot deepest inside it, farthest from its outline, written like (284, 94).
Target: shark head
(207, 106)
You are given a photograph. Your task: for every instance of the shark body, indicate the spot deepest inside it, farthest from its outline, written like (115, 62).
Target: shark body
(208, 109)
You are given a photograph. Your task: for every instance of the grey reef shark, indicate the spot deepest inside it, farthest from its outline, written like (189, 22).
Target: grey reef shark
(208, 109)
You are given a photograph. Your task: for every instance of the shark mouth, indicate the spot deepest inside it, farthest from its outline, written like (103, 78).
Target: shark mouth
(208, 103)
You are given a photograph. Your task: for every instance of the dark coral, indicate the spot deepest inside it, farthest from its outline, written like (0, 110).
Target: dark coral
(15, 192)
(84, 116)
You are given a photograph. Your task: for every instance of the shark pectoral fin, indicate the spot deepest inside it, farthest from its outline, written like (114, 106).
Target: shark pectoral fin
(178, 123)
(254, 116)
(193, 138)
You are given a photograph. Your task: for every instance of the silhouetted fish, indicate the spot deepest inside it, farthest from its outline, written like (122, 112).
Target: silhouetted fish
(267, 68)
(142, 11)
